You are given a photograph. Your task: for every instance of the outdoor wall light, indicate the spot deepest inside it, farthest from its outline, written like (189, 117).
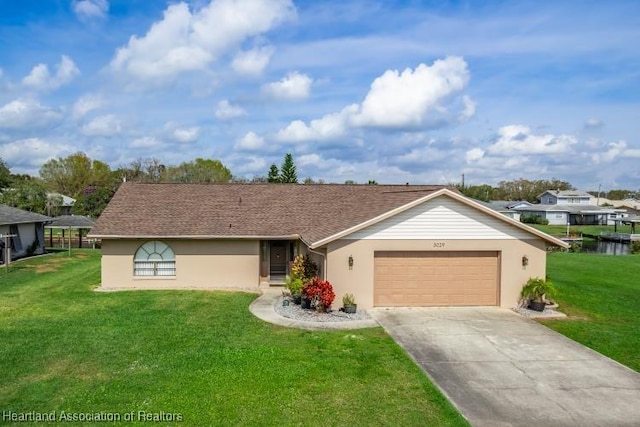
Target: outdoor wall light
(350, 262)
(525, 261)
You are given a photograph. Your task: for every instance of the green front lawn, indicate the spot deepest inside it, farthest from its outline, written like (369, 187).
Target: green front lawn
(601, 295)
(200, 354)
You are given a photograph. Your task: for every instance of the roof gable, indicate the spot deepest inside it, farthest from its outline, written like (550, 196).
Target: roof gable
(464, 208)
(441, 218)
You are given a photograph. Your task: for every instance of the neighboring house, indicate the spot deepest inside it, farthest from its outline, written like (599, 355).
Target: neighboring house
(506, 207)
(388, 245)
(66, 205)
(26, 229)
(566, 197)
(560, 207)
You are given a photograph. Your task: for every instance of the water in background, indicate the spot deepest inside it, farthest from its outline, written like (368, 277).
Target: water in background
(607, 248)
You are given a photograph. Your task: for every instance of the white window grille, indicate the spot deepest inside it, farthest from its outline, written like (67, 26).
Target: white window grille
(154, 259)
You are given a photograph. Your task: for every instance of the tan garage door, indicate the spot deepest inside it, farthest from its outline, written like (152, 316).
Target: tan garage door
(413, 279)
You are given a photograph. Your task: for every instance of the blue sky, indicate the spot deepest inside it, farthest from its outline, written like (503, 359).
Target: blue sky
(416, 91)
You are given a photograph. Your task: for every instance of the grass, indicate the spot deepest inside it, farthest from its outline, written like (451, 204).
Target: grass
(601, 295)
(200, 354)
(561, 230)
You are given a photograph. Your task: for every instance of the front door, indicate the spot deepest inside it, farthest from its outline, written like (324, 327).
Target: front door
(278, 259)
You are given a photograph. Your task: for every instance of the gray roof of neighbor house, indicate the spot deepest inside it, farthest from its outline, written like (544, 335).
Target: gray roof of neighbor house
(572, 209)
(10, 215)
(502, 205)
(71, 221)
(566, 193)
(312, 212)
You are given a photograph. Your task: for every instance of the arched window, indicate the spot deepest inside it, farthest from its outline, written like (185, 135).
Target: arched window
(154, 259)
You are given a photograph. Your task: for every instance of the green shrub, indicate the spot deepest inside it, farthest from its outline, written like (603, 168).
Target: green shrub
(534, 219)
(635, 247)
(294, 285)
(348, 299)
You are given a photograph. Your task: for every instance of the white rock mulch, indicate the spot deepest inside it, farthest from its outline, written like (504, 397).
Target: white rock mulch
(293, 311)
(550, 312)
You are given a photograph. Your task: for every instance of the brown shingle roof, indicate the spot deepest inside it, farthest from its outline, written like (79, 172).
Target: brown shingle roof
(248, 210)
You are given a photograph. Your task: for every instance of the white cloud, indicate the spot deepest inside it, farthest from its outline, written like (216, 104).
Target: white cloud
(331, 126)
(250, 141)
(474, 155)
(106, 125)
(85, 104)
(186, 135)
(518, 139)
(615, 149)
(411, 100)
(90, 9)
(32, 153)
(414, 98)
(40, 79)
(145, 142)
(227, 111)
(27, 113)
(293, 86)
(188, 41)
(252, 62)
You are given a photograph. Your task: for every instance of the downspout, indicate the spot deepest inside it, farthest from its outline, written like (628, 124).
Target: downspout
(324, 262)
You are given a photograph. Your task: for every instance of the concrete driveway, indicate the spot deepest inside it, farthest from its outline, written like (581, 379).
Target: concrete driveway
(500, 369)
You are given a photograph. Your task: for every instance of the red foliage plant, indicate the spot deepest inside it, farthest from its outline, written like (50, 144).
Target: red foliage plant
(321, 292)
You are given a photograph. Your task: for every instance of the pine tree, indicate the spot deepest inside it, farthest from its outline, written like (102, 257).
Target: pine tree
(274, 174)
(288, 170)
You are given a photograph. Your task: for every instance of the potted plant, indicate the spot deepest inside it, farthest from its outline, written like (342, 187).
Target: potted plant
(536, 290)
(349, 304)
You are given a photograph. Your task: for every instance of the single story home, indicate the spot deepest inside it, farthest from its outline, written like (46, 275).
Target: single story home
(21, 231)
(389, 245)
(507, 207)
(578, 214)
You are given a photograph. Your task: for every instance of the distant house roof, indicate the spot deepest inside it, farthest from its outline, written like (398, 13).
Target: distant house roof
(71, 221)
(566, 193)
(572, 209)
(66, 200)
(317, 214)
(10, 215)
(504, 205)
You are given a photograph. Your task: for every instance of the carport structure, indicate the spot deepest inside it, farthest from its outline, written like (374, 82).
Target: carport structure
(69, 223)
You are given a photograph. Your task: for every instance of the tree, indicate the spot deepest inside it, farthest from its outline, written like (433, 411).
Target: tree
(372, 182)
(198, 171)
(483, 192)
(274, 174)
(350, 182)
(72, 174)
(93, 200)
(524, 189)
(29, 195)
(288, 173)
(5, 175)
(142, 170)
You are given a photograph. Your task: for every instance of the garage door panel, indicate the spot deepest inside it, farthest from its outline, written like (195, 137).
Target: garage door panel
(435, 278)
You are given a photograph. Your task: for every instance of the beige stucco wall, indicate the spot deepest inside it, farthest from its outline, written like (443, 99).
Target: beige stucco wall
(220, 264)
(359, 280)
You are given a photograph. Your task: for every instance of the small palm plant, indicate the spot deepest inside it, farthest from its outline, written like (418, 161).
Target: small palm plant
(536, 290)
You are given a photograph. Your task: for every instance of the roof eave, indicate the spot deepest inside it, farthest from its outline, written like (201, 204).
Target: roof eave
(195, 237)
